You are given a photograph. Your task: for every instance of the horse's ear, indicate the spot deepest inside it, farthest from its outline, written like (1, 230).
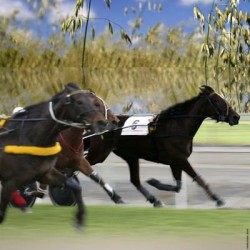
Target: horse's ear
(71, 86)
(91, 90)
(206, 90)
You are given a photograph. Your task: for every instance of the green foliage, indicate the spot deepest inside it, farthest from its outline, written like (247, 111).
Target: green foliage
(160, 68)
(226, 48)
(74, 23)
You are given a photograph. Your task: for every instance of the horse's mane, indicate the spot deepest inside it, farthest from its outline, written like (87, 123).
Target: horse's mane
(69, 88)
(28, 110)
(183, 107)
(179, 108)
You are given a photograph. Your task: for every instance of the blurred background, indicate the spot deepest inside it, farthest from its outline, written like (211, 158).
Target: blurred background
(140, 56)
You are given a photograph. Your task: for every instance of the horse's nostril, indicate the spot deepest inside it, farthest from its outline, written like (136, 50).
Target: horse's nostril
(102, 123)
(236, 118)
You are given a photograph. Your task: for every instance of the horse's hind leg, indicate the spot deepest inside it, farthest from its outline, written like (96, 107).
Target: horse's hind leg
(133, 164)
(56, 178)
(176, 171)
(190, 171)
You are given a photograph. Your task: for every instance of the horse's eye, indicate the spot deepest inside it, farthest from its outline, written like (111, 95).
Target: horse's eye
(216, 101)
(79, 102)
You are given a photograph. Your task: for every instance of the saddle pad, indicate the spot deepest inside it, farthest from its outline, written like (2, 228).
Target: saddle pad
(137, 125)
(3, 120)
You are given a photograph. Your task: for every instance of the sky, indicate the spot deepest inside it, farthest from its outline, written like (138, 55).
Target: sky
(174, 13)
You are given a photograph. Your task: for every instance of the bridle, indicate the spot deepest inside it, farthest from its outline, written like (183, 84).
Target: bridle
(82, 125)
(221, 117)
(104, 104)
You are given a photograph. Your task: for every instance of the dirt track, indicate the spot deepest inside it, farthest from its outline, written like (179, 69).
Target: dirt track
(226, 169)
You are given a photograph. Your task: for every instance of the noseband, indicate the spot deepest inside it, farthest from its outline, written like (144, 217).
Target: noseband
(221, 117)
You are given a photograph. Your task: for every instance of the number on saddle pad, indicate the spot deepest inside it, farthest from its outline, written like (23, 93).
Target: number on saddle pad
(137, 125)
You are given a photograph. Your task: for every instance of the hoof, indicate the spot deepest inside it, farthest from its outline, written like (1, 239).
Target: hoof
(37, 194)
(117, 199)
(78, 228)
(1, 218)
(220, 203)
(26, 210)
(120, 201)
(158, 204)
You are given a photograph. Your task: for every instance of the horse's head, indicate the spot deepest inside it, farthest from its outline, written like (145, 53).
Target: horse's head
(112, 119)
(74, 107)
(218, 108)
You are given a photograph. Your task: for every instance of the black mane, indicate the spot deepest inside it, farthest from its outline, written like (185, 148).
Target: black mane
(179, 108)
(68, 88)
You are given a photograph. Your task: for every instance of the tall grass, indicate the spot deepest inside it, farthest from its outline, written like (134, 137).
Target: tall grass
(165, 67)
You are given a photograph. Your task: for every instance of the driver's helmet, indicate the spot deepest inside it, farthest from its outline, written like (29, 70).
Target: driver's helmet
(17, 110)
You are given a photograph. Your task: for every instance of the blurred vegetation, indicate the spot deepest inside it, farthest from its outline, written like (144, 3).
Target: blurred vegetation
(160, 68)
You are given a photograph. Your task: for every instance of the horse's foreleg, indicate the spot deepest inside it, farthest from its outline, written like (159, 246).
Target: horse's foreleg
(109, 190)
(77, 191)
(190, 171)
(56, 178)
(210, 193)
(5, 198)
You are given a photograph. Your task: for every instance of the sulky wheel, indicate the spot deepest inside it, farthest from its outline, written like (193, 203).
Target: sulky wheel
(62, 196)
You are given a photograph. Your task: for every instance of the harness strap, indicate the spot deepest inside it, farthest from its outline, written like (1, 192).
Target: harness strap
(33, 150)
(216, 108)
(77, 150)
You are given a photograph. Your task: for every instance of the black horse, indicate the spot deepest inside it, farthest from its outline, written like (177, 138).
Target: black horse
(169, 141)
(29, 148)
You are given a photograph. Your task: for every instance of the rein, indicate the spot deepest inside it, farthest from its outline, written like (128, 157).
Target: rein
(152, 125)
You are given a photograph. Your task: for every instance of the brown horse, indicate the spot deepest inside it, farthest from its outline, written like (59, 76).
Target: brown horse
(29, 148)
(71, 158)
(169, 141)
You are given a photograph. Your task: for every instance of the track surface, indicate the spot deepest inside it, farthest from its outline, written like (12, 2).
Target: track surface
(225, 169)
